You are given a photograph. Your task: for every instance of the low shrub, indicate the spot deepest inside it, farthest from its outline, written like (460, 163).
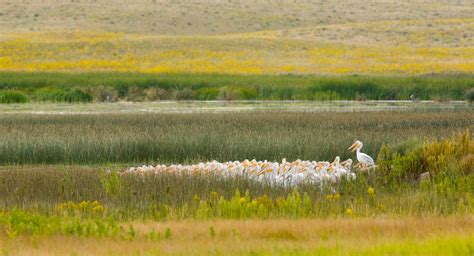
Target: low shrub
(152, 94)
(184, 94)
(104, 93)
(207, 93)
(228, 93)
(470, 95)
(136, 94)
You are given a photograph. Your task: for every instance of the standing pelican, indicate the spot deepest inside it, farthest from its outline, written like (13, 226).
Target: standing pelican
(364, 159)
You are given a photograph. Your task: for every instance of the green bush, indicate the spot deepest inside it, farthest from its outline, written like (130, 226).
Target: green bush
(470, 95)
(207, 93)
(452, 156)
(58, 95)
(49, 94)
(284, 93)
(76, 96)
(248, 93)
(13, 97)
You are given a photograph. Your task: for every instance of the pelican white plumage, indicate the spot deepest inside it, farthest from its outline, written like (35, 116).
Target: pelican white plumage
(279, 174)
(364, 159)
(347, 164)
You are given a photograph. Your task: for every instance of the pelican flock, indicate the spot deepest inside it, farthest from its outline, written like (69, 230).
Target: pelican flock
(274, 173)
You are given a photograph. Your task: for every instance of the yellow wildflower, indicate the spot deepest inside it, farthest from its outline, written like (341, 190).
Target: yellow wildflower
(349, 212)
(371, 191)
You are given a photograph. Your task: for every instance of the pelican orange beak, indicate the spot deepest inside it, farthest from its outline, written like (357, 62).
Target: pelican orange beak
(345, 162)
(354, 146)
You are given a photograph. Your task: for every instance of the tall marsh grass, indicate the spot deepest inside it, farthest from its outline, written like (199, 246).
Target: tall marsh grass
(184, 138)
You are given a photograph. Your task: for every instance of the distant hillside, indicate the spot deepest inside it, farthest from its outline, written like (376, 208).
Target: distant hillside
(207, 17)
(239, 36)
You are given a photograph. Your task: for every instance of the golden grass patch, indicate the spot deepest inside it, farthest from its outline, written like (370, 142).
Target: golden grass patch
(305, 236)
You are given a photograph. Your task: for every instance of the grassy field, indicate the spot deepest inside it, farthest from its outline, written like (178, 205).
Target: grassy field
(405, 236)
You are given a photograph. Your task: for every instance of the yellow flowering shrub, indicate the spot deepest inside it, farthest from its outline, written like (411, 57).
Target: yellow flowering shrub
(84, 208)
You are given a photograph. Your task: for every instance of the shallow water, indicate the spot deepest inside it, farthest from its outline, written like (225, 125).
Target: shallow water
(234, 106)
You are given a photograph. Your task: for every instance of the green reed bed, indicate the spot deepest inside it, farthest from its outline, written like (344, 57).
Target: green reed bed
(183, 138)
(106, 86)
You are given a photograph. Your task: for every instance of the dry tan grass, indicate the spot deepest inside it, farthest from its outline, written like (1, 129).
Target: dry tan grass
(416, 33)
(311, 229)
(337, 236)
(211, 17)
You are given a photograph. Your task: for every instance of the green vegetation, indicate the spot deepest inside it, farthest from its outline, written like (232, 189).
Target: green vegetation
(84, 87)
(16, 223)
(57, 95)
(184, 138)
(470, 95)
(394, 189)
(42, 206)
(116, 141)
(13, 97)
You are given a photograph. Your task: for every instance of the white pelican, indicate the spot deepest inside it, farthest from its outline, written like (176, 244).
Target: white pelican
(347, 164)
(363, 159)
(281, 174)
